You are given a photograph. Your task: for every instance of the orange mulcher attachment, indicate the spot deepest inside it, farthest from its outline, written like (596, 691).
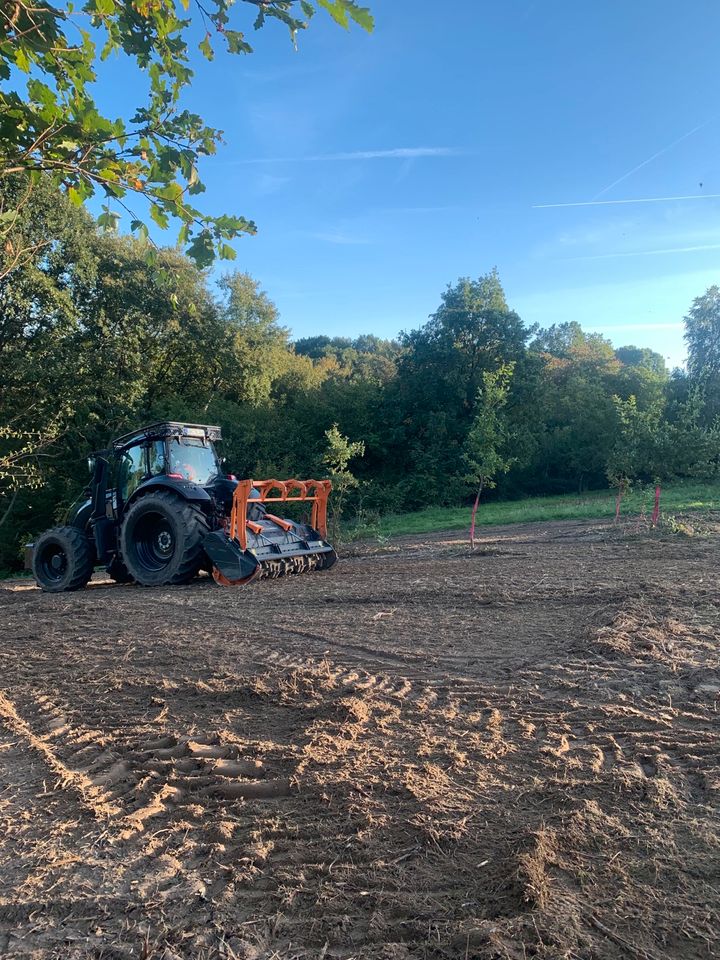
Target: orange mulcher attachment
(258, 543)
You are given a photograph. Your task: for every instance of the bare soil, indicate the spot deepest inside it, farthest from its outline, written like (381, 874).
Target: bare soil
(420, 753)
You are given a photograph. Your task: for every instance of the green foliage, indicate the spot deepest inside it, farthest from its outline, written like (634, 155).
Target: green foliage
(440, 372)
(487, 446)
(50, 123)
(644, 359)
(568, 341)
(342, 11)
(19, 453)
(636, 442)
(255, 338)
(689, 448)
(338, 454)
(702, 335)
(650, 448)
(340, 451)
(566, 416)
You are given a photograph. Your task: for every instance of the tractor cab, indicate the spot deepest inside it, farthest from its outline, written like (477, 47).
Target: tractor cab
(181, 452)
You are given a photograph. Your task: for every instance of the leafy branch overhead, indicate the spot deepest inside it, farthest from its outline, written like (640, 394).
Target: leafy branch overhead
(50, 123)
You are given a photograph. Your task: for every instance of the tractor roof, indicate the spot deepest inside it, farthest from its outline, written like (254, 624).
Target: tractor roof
(168, 428)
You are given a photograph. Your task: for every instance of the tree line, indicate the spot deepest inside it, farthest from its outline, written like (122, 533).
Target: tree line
(97, 338)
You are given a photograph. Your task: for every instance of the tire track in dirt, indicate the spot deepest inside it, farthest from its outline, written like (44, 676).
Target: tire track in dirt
(91, 795)
(533, 776)
(127, 781)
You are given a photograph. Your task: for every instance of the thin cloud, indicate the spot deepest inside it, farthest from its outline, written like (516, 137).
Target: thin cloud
(647, 253)
(396, 153)
(608, 203)
(636, 326)
(420, 210)
(337, 237)
(268, 184)
(659, 153)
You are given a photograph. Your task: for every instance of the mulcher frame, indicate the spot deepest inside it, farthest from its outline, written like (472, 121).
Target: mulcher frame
(249, 492)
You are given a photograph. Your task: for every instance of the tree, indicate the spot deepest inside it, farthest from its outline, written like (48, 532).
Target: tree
(636, 442)
(367, 357)
(644, 358)
(321, 346)
(472, 331)
(689, 447)
(702, 336)
(486, 450)
(258, 351)
(568, 341)
(338, 454)
(440, 371)
(647, 447)
(570, 411)
(50, 123)
(37, 323)
(560, 339)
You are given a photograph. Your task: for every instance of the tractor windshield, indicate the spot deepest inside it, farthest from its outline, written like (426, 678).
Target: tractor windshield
(193, 460)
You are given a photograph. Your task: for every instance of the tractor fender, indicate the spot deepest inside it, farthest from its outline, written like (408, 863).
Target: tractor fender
(80, 516)
(182, 488)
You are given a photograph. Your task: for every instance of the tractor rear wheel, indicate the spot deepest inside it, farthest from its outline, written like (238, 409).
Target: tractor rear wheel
(161, 539)
(62, 559)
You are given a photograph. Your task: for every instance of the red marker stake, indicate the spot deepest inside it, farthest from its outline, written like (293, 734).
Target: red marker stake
(656, 508)
(472, 521)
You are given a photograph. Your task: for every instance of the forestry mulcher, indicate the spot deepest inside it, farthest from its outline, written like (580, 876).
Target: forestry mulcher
(159, 509)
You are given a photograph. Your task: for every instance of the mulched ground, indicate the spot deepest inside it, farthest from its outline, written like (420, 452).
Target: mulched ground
(420, 753)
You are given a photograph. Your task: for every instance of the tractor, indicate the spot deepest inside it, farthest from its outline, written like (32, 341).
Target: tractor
(159, 509)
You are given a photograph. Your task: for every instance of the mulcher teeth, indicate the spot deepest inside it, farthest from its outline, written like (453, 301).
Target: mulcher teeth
(271, 569)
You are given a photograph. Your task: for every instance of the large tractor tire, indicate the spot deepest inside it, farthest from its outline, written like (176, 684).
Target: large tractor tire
(62, 559)
(161, 540)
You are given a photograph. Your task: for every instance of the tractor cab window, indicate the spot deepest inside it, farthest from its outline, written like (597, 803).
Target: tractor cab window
(156, 454)
(132, 470)
(193, 460)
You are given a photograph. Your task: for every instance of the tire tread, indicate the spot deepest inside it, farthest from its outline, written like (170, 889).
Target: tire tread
(82, 557)
(193, 520)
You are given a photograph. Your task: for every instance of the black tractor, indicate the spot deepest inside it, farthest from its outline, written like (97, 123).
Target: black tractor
(159, 509)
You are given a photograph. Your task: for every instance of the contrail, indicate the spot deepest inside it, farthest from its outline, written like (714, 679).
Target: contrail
(397, 153)
(653, 157)
(647, 253)
(606, 203)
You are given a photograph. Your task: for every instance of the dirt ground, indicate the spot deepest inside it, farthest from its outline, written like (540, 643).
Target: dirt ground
(420, 753)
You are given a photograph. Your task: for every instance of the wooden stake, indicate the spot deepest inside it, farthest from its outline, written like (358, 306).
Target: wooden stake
(474, 513)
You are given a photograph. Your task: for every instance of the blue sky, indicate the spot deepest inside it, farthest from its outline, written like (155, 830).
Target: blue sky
(381, 167)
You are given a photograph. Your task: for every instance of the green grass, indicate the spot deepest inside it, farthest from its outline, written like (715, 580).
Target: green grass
(597, 504)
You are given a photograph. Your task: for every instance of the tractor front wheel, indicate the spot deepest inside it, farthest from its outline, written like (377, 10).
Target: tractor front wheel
(161, 540)
(62, 560)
